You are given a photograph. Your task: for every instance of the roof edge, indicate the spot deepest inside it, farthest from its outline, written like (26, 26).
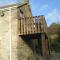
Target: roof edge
(9, 5)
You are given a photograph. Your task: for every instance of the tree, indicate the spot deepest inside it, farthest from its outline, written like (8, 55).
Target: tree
(54, 34)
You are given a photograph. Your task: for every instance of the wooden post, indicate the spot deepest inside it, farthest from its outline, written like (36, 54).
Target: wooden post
(43, 46)
(45, 49)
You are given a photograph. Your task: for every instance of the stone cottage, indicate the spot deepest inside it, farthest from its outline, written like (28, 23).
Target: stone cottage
(21, 35)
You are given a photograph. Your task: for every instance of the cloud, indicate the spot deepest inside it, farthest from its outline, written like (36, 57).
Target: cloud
(43, 7)
(53, 16)
(8, 2)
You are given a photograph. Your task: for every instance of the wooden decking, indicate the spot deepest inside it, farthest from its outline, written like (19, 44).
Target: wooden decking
(32, 25)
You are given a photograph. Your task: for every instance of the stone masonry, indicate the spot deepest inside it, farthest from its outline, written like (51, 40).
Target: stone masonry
(9, 38)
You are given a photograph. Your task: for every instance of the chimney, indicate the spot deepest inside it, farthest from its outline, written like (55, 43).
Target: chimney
(25, 1)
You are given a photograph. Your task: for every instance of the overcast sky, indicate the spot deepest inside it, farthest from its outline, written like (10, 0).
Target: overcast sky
(49, 8)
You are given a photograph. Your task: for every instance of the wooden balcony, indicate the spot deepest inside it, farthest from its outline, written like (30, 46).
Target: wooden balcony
(32, 25)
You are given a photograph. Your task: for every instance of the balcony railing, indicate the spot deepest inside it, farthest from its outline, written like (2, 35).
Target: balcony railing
(31, 25)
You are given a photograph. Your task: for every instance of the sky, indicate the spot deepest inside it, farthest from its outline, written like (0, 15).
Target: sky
(49, 8)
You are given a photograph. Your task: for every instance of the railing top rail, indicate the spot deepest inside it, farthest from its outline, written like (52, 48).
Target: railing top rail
(31, 17)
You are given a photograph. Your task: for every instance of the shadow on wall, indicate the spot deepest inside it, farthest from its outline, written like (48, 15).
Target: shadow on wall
(29, 43)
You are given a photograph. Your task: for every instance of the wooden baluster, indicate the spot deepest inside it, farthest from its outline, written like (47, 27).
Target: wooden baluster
(24, 25)
(39, 27)
(32, 27)
(21, 27)
(35, 28)
(30, 24)
(27, 25)
(35, 25)
(18, 26)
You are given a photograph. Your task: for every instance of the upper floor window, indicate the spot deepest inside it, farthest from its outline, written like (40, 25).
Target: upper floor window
(21, 13)
(2, 14)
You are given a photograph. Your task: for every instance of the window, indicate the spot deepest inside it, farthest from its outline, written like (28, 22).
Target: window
(21, 11)
(2, 14)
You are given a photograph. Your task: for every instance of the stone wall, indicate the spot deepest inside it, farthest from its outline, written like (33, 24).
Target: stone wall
(10, 41)
(4, 36)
